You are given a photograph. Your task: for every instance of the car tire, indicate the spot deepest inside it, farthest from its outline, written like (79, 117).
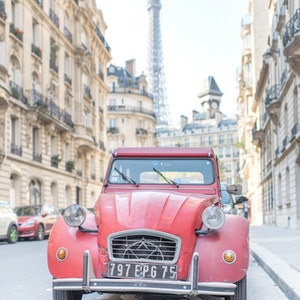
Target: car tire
(241, 290)
(12, 234)
(40, 234)
(66, 295)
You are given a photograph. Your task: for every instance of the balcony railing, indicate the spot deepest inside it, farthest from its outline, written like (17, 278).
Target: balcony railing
(17, 92)
(37, 101)
(113, 130)
(36, 50)
(129, 88)
(18, 33)
(141, 131)
(53, 66)
(101, 37)
(68, 35)
(291, 28)
(87, 92)
(3, 14)
(294, 131)
(53, 17)
(129, 109)
(273, 94)
(16, 149)
(68, 80)
(37, 156)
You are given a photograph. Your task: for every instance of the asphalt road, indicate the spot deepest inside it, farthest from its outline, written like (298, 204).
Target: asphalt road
(24, 275)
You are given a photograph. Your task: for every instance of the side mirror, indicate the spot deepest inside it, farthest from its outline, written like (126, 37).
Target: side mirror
(234, 189)
(240, 199)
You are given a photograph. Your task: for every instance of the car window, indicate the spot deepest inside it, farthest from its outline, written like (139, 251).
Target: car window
(159, 171)
(226, 198)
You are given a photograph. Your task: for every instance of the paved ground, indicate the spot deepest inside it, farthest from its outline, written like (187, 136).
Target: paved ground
(277, 250)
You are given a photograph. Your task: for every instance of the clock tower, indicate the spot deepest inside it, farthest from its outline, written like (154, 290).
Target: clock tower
(210, 97)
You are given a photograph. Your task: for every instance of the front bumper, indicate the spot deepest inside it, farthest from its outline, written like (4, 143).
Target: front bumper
(88, 283)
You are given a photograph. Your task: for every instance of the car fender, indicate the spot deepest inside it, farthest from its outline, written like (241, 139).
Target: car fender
(75, 243)
(234, 236)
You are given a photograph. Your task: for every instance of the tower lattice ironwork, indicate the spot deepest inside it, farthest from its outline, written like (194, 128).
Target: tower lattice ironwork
(156, 74)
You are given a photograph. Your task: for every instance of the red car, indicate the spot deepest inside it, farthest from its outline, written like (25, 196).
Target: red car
(36, 221)
(158, 228)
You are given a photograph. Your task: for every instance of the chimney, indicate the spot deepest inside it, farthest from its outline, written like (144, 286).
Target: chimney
(183, 121)
(130, 66)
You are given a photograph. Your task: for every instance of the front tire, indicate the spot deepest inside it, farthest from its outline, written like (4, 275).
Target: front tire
(40, 235)
(241, 290)
(12, 234)
(66, 295)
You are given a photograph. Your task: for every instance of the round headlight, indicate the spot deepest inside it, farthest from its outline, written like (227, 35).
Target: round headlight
(213, 217)
(74, 215)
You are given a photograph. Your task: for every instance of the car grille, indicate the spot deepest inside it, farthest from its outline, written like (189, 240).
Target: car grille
(146, 246)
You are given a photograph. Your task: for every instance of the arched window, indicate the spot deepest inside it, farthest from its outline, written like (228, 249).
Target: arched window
(35, 195)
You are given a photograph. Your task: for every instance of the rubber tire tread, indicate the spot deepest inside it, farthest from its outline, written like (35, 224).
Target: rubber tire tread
(241, 290)
(66, 295)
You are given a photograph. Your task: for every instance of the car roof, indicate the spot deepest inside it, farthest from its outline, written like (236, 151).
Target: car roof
(163, 152)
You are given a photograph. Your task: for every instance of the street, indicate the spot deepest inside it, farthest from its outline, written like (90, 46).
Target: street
(24, 275)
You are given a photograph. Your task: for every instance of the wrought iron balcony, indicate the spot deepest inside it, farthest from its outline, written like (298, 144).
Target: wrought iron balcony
(17, 92)
(36, 50)
(87, 92)
(257, 135)
(272, 102)
(101, 145)
(3, 14)
(291, 42)
(68, 80)
(53, 17)
(53, 66)
(68, 35)
(101, 37)
(129, 109)
(16, 149)
(18, 33)
(141, 131)
(113, 130)
(37, 156)
(294, 131)
(48, 109)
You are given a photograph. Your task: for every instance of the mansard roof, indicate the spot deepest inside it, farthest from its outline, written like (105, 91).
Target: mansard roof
(210, 87)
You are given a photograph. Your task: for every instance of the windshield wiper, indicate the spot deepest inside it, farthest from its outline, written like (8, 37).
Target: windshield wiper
(126, 178)
(168, 180)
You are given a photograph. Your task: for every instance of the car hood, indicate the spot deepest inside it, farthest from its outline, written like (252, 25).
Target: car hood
(175, 214)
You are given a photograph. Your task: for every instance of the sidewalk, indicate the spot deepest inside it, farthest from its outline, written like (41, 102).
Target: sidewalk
(277, 250)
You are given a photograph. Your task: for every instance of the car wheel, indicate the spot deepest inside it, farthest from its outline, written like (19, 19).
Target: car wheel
(66, 295)
(12, 234)
(40, 233)
(241, 290)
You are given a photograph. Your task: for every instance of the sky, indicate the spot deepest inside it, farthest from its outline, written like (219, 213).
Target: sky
(200, 38)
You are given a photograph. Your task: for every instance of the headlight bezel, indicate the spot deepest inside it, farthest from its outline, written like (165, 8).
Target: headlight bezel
(213, 217)
(74, 215)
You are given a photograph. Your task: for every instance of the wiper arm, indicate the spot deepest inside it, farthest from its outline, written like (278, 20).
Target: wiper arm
(128, 179)
(168, 180)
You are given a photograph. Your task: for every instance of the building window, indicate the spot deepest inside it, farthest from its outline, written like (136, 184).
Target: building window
(221, 139)
(202, 141)
(35, 192)
(36, 145)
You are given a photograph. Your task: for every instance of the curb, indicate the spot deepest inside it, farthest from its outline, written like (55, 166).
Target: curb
(286, 278)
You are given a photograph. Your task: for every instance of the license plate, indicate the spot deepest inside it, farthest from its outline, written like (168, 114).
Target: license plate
(144, 270)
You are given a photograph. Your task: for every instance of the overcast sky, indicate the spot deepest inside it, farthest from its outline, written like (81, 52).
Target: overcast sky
(199, 39)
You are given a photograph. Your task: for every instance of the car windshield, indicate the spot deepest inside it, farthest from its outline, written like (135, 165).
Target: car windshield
(27, 210)
(162, 171)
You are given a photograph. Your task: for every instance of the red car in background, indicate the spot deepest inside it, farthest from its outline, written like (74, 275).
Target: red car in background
(36, 221)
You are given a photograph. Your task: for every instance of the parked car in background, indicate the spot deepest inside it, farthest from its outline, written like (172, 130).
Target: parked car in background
(8, 223)
(36, 221)
(229, 201)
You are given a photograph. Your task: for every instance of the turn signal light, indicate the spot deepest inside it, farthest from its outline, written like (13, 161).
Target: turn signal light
(61, 254)
(229, 256)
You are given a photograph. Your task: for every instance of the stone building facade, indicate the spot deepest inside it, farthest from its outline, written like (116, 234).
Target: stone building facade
(53, 58)
(271, 107)
(209, 128)
(130, 109)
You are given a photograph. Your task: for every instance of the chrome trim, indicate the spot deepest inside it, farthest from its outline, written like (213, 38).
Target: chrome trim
(186, 288)
(144, 232)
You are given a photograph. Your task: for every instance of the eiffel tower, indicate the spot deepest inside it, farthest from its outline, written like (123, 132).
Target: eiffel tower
(156, 75)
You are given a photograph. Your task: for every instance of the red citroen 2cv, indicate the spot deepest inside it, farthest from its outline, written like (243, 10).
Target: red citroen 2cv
(158, 229)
